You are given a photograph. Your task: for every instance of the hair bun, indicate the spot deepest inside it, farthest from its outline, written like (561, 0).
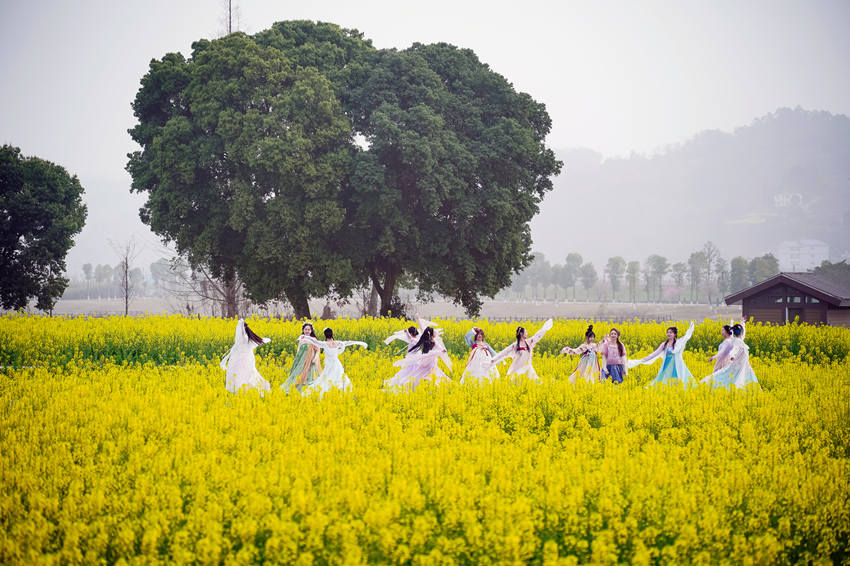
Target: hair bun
(590, 327)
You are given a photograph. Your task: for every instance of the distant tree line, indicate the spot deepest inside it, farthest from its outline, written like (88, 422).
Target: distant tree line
(104, 281)
(705, 277)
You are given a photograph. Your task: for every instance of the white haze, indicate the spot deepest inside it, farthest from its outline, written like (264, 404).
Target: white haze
(617, 77)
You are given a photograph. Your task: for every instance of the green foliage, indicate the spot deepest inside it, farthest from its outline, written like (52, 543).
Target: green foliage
(243, 157)
(42, 209)
(455, 169)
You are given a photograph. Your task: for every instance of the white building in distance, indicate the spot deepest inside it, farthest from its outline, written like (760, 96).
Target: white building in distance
(801, 255)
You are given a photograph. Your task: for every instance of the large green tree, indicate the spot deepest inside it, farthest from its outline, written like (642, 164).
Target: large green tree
(244, 154)
(41, 209)
(455, 168)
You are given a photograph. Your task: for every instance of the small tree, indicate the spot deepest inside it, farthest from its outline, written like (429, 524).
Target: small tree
(633, 276)
(615, 268)
(696, 265)
(739, 274)
(127, 286)
(658, 266)
(572, 270)
(588, 277)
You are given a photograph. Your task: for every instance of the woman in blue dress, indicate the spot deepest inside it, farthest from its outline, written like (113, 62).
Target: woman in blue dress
(673, 369)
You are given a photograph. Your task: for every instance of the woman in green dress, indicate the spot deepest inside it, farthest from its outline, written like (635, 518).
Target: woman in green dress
(305, 367)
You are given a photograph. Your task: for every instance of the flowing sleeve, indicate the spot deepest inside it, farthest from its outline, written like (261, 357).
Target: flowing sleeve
(491, 350)
(441, 347)
(313, 341)
(683, 341)
(540, 333)
(423, 324)
(469, 338)
(649, 359)
(507, 352)
(348, 343)
(400, 335)
(743, 330)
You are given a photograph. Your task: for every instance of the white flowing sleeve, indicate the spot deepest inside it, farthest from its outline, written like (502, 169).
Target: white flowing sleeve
(313, 341)
(348, 343)
(507, 352)
(649, 359)
(400, 335)
(683, 341)
(547, 326)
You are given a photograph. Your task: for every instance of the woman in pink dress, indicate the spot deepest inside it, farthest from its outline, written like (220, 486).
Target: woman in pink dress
(422, 362)
(520, 352)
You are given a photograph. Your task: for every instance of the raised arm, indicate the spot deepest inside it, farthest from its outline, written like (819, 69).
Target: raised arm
(469, 337)
(540, 333)
(347, 343)
(683, 341)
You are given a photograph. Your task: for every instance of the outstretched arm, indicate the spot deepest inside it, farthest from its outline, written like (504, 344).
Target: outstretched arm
(540, 333)
(509, 351)
(312, 341)
(683, 341)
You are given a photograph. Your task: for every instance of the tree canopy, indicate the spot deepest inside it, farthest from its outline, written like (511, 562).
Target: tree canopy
(304, 161)
(41, 210)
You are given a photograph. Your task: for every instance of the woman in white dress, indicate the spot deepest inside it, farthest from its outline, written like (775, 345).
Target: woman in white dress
(721, 358)
(738, 371)
(333, 375)
(521, 352)
(239, 364)
(673, 369)
(479, 367)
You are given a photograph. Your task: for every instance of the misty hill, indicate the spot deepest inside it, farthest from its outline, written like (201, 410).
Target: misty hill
(786, 176)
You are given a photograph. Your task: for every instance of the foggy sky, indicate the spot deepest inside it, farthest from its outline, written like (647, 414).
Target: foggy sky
(617, 77)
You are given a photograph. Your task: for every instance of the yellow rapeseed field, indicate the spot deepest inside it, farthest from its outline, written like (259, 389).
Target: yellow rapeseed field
(119, 444)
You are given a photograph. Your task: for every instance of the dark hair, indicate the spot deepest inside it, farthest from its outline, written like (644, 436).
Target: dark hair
(589, 332)
(413, 331)
(251, 336)
(519, 331)
(737, 330)
(728, 329)
(426, 341)
(675, 334)
(312, 330)
(620, 347)
(479, 332)
(329, 334)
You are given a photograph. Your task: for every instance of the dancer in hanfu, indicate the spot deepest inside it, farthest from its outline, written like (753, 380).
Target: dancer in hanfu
(588, 365)
(305, 366)
(334, 374)
(673, 369)
(422, 362)
(239, 364)
(738, 371)
(481, 354)
(521, 352)
(721, 358)
(614, 357)
(410, 335)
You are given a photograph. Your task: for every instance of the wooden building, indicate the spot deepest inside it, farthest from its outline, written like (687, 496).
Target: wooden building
(787, 296)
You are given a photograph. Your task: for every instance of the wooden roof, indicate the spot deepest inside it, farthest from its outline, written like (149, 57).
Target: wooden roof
(823, 289)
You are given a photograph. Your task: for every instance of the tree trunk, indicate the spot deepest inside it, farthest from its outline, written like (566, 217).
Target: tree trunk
(373, 302)
(230, 302)
(385, 290)
(300, 303)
